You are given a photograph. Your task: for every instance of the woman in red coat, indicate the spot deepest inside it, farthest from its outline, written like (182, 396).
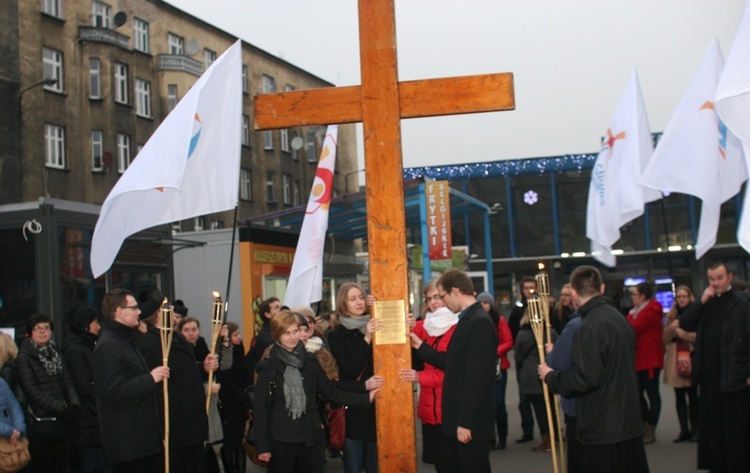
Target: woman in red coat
(646, 319)
(504, 345)
(436, 328)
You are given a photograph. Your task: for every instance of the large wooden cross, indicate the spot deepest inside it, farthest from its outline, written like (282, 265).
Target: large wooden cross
(379, 103)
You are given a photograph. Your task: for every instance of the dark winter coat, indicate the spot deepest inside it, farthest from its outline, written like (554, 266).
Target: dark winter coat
(261, 341)
(188, 423)
(470, 365)
(354, 357)
(603, 378)
(79, 354)
(234, 406)
(125, 396)
(735, 339)
(526, 355)
(46, 396)
(272, 422)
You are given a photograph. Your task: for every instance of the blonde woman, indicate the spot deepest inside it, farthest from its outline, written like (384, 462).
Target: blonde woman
(686, 395)
(8, 355)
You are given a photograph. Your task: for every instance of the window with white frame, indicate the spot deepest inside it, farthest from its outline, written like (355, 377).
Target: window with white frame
(244, 78)
(269, 84)
(246, 184)
(270, 189)
(208, 58)
(143, 98)
(310, 145)
(245, 130)
(296, 194)
(284, 137)
(295, 152)
(101, 14)
(198, 223)
(95, 78)
(123, 152)
(97, 150)
(121, 83)
(172, 97)
(217, 224)
(141, 39)
(52, 8)
(52, 62)
(54, 144)
(268, 140)
(286, 181)
(176, 44)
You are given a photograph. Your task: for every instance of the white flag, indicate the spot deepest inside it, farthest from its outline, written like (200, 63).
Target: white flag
(615, 195)
(189, 167)
(306, 279)
(733, 106)
(697, 155)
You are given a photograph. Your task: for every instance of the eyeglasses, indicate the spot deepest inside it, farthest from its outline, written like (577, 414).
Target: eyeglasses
(42, 328)
(435, 298)
(564, 294)
(131, 307)
(441, 295)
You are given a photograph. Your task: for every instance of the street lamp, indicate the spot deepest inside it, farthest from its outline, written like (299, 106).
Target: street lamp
(45, 81)
(346, 178)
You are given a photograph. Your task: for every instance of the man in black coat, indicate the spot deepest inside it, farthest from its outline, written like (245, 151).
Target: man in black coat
(469, 383)
(528, 287)
(721, 367)
(125, 390)
(603, 381)
(188, 422)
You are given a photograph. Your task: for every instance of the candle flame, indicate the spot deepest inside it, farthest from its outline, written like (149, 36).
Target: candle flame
(216, 295)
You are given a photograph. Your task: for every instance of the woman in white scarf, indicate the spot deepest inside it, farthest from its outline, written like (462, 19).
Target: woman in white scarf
(436, 328)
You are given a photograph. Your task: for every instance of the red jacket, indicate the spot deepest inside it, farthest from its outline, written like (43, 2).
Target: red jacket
(430, 405)
(505, 344)
(648, 326)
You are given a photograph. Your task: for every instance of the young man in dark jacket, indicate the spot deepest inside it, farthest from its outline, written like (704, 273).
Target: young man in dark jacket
(125, 390)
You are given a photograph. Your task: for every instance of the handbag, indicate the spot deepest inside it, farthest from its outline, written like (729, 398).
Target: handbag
(337, 425)
(684, 364)
(14, 458)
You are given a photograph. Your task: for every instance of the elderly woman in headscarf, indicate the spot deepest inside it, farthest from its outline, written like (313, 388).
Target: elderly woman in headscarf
(287, 422)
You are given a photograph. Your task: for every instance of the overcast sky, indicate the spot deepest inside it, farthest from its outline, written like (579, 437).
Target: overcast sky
(571, 60)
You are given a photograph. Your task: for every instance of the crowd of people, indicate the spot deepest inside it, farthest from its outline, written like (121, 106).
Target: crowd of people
(97, 403)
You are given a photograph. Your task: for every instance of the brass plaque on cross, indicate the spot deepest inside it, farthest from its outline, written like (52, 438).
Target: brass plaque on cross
(393, 315)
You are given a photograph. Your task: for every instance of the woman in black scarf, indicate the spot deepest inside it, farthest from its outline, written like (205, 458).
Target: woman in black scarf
(50, 396)
(287, 421)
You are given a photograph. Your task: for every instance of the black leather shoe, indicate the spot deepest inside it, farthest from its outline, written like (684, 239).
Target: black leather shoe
(525, 438)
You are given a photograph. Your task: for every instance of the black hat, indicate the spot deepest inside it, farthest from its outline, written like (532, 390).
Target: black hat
(149, 302)
(179, 308)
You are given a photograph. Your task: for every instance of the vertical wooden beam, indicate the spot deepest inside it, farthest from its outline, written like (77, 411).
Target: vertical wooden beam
(386, 227)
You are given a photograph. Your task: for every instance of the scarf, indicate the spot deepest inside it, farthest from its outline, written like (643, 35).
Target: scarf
(355, 323)
(294, 392)
(48, 356)
(438, 322)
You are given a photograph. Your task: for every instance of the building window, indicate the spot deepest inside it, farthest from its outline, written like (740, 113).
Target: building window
(208, 58)
(287, 188)
(141, 35)
(97, 150)
(244, 78)
(95, 78)
(121, 83)
(284, 136)
(100, 14)
(270, 190)
(217, 224)
(311, 158)
(246, 184)
(176, 44)
(143, 98)
(172, 98)
(268, 140)
(269, 84)
(52, 8)
(198, 224)
(245, 130)
(123, 152)
(54, 142)
(296, 194)
(52, 60)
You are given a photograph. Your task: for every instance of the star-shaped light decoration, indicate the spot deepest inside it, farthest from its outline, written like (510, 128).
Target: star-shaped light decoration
(531, 197)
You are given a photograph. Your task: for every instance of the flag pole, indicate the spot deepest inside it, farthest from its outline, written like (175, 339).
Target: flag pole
(666, 235)
(231, 260)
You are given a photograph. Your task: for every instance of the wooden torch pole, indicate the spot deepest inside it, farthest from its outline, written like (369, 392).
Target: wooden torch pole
(217, 320)
(166, 331)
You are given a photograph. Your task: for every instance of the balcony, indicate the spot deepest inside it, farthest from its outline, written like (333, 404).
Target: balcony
(103, 35)
(169, 62)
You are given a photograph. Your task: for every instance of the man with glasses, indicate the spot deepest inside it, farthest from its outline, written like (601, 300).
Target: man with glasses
(469, 384)
(528, 287)
(125, 390)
